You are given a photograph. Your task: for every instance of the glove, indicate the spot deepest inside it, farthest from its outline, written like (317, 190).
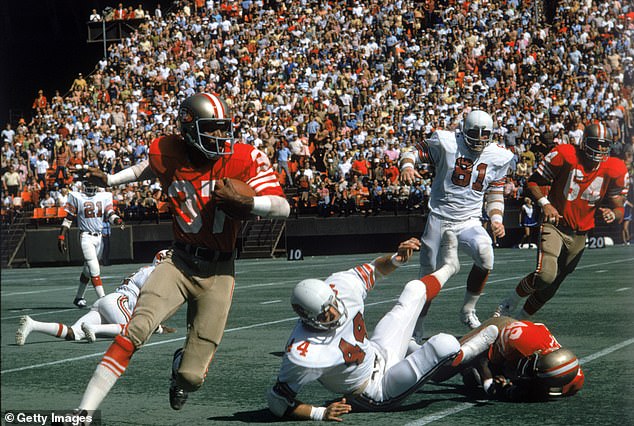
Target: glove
(118, 222)
(61, 244)
(96, 176)
(228, 200)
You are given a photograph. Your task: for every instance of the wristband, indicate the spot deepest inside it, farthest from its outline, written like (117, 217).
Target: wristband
(395, 262)
(61, 237)
(317, 413)
(496, 218)
(543, 201)
(407, 166)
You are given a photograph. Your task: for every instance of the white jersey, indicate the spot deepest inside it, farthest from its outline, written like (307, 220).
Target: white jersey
(462, 176)
(342, 360)
(90, 211)
(132, 285)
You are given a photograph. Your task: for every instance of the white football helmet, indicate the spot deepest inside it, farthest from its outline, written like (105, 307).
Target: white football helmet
(159, 257)
(312, 299)
(477, 129)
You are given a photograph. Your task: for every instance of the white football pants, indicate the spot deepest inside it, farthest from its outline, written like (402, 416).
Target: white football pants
(473, 239)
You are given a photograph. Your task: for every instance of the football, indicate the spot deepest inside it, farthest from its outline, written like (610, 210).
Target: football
(240, 187)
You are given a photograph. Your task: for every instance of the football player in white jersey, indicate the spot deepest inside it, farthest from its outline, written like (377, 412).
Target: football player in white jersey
(91, 208)
(330, 344)
(108, 316)
(468, 168)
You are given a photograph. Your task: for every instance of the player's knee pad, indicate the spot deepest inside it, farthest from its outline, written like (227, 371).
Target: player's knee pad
(485, 256)
(438, 348)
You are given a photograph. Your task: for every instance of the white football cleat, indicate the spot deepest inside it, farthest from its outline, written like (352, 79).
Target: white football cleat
(89, 332)
(449, 251)
(505, 308)
(479, 343)
(80, 302)
(25, 328)
(470, 319)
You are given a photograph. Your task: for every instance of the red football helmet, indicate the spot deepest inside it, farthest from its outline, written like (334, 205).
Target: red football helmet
(206, 124)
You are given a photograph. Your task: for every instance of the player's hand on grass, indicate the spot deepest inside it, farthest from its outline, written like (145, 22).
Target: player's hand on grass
(337, 409)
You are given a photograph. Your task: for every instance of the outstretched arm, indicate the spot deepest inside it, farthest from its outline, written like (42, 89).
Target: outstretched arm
(135, 173)
(387, 264)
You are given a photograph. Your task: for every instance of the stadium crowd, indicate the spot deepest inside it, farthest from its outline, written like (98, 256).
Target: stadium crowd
(334, 92)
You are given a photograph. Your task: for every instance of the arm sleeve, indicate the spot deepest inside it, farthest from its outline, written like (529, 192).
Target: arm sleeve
(272, 206)
(135, 173)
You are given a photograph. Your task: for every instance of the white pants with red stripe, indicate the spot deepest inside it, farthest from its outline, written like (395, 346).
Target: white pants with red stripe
(111, 309)
(91, 247)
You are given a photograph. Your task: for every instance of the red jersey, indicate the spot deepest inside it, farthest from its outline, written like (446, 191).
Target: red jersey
(576, 192)
(196, 220)
(520, 339)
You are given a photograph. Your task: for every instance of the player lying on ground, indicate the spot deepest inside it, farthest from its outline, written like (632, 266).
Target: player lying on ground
(108, 316)
(330, 345)
(524, 362)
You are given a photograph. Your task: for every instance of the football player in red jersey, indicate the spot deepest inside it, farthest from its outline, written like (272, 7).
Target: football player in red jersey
(206, 221)
(580, 179)
(524, 363)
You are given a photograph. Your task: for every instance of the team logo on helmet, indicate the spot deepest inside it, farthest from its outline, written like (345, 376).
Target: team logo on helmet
(206, 124)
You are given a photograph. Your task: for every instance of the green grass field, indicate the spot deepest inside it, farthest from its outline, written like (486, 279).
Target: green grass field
(592, 314)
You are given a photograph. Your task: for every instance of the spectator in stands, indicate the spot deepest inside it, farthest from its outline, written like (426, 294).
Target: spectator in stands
(8, 134)
(11, 182)
(94, 16)
(41, 168)
(120, 12)
(283, 158)
(79, 84)
(47, 201)
(40, 102)
(62, 197)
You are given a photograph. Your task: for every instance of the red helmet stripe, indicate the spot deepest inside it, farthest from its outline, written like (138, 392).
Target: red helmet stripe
(219, 108)
(601, 132)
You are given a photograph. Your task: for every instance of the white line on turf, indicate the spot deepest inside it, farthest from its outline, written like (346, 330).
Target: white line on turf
(461, 407)
(270, 302)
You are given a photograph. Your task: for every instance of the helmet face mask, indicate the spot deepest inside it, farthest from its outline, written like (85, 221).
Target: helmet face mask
(477, 130)
(89, 189)
(206, 125)
(317, 305)
(596, 142)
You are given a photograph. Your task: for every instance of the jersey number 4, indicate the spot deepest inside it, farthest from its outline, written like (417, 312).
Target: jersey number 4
(353, 354)
(463, 170)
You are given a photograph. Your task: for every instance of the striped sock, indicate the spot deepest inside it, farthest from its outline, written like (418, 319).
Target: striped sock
(51, 328)
(98, 285)
(111, 367)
